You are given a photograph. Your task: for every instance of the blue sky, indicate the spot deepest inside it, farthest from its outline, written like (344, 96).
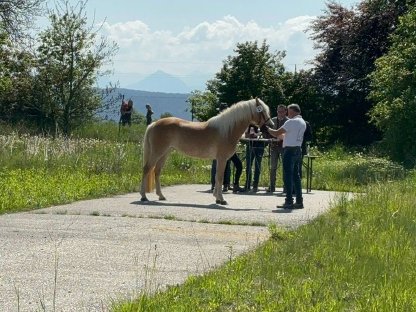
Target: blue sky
(190, 39)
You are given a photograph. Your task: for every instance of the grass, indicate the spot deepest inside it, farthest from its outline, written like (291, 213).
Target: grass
(100, 160)
(358, 257)
(38, 172)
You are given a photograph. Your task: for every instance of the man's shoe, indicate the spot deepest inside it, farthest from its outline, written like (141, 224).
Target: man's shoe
(254, 189)
(298, 206)
(286, 206)
(237, 189)
(270, 190)
(225, 188)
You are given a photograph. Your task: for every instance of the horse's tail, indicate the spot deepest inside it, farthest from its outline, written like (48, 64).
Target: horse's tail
(147, 149)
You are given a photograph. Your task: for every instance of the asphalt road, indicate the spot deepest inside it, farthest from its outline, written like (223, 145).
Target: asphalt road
(85, 255)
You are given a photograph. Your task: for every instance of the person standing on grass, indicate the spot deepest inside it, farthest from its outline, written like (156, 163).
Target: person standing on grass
(126, 110)
(149, 113)
(293, 130)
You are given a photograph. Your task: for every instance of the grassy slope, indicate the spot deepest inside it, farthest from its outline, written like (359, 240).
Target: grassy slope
(359, 257)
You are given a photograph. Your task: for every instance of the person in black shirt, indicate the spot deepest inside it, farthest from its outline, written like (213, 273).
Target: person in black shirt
(149, 114)
(254, 152)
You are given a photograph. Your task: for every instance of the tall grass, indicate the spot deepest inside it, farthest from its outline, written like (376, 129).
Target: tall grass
(38, 171)
(102, 159)
(358, 257)
(341, 170)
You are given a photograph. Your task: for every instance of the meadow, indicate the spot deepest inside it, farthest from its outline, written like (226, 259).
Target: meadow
(358, 257)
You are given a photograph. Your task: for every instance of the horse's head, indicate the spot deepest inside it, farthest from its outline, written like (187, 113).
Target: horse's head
(262, 114)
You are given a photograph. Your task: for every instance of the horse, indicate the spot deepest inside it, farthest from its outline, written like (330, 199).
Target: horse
(215, 138)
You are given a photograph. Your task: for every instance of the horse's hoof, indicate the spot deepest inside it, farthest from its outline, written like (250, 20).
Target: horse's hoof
(162, 198)
(144, 199)
(221, 202)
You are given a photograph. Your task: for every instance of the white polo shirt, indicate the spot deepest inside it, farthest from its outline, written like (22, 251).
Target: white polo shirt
(295, 128)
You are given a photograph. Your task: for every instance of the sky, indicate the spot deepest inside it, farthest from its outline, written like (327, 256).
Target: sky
(190, 39)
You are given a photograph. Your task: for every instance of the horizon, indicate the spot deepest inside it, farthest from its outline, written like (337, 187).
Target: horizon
(191, 40)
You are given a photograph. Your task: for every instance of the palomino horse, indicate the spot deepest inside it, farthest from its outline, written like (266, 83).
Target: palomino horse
(216, 138)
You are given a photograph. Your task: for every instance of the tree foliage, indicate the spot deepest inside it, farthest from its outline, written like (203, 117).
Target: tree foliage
(69, 58)
(301, 88)
(252, 72)
(203, 105)
(350, 40)
(16, 79)
(394, 93)
(16, 16)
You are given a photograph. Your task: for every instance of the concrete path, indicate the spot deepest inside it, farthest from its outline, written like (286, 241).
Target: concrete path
(85, 255)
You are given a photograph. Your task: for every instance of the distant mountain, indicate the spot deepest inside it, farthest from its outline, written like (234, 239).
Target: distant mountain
(161, 102)
(197, 80)
(161, 82)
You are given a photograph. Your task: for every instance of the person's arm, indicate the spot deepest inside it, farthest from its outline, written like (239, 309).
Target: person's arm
(277, 132)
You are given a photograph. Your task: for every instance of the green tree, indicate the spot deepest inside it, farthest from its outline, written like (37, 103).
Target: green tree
(253, 72)
(202, 105)
(16, 79)
(165, 115)
(69, 60)
(301, 88)
(394, 93)
(350, 40)
(17, 16)
(138, 118)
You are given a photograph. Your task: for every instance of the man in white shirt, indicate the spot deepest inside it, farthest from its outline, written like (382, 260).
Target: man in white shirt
(293, 130)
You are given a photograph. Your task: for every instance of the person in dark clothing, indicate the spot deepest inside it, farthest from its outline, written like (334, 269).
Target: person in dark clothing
(307, 137)
(149, 114)
(276, 147)
(227, 174)
(254, 152)
(125, 112)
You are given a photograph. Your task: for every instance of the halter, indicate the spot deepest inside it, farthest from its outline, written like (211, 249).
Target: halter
(259, 109)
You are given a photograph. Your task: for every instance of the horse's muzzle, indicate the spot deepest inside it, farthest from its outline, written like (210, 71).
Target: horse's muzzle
(269, 122)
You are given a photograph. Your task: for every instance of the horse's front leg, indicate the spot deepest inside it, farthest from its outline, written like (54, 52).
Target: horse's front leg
(219, 178)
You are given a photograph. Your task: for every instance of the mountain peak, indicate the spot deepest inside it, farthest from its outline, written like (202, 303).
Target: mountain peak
(161, 81)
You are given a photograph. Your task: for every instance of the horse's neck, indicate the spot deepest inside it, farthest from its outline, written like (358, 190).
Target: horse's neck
(238, 130)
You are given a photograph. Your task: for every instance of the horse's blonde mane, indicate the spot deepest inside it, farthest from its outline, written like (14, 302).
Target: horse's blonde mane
(241, 111)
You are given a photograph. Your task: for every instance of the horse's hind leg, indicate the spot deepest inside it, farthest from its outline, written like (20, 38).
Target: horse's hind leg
(158, 170)
(146, 172)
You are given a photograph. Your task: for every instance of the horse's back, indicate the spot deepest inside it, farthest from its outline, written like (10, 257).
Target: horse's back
(177, 122)
(190, 137)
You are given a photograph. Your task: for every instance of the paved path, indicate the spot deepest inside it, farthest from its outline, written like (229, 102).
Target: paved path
(83, 256)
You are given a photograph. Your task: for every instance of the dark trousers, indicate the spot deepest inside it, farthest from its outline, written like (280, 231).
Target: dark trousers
(227, 172)
(292, 160)
(253, 153)
(275, 155)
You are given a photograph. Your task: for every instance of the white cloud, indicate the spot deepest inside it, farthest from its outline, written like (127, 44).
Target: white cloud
(202, 48)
